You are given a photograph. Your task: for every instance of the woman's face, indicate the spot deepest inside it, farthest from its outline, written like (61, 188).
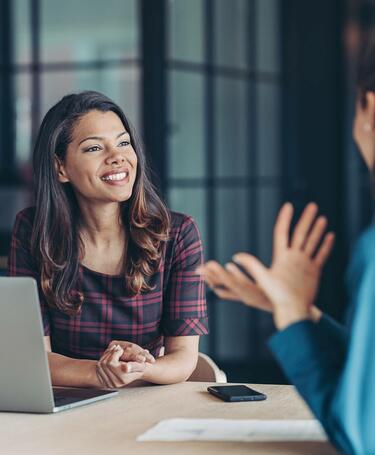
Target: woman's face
(364, 129)
(100, 162)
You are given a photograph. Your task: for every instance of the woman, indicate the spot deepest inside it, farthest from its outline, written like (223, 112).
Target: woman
(334, 375)
(115, 268)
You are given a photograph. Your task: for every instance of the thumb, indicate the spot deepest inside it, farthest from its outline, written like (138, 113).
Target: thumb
(254, 266)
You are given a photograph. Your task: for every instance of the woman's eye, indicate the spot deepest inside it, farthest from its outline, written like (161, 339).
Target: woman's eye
(94, 148)
(124, 143)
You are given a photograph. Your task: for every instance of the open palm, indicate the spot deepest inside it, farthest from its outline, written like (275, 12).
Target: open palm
(292, 281)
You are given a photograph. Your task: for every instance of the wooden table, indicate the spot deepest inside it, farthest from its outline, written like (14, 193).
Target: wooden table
(111, 427)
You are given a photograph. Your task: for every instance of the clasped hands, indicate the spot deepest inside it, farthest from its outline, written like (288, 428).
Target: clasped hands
(289, 286)
(122, 363)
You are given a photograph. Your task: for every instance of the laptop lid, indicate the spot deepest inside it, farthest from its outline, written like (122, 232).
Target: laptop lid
(25, 382)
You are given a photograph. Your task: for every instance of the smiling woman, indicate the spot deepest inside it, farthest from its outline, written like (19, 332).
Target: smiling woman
(115, 268)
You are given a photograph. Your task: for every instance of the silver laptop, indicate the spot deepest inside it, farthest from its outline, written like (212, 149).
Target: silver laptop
(25, 382)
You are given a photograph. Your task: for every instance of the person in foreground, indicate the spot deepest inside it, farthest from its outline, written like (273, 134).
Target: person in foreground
(333, 372)
(115, 268)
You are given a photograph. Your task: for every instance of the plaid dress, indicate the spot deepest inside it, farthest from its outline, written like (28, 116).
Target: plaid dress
(175, 307)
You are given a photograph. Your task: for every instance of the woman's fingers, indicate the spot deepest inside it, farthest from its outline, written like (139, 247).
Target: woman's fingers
(133, 367)
(253, 266)
(109, 363)
(133, 351)
(314, 237)
(250, 293)
(282, 228)
(303, 226)
(102, 377)
(216, 276)
(325, 249)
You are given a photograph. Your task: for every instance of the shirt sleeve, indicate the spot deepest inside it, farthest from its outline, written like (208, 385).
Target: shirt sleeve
(315, 367)
(341, 391)
(21, 262)
(184, 305)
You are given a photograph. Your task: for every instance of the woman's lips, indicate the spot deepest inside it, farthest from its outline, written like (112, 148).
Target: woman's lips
(116, 178)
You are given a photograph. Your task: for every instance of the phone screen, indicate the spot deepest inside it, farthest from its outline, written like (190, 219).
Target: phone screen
(236, 393)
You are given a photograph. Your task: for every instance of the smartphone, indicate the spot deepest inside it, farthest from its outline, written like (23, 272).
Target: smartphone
(235, 393)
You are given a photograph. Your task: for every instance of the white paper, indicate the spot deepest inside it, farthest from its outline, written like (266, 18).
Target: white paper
(234, 430)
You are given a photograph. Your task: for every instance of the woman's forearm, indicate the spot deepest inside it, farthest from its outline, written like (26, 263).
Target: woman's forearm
(171, 368)
(69, 372)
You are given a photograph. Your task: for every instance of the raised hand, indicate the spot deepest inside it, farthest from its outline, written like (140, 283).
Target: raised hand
(292, 281)
(230, 283)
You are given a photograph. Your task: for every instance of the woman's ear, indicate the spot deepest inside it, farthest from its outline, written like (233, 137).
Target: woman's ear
(60, 169)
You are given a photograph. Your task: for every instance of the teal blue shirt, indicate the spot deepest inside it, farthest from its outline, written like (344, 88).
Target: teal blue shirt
(334, 374)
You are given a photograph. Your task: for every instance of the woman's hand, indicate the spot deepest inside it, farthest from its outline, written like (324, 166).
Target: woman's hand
(230, 283)
(291, 283)
(114, 373)
(133, 352)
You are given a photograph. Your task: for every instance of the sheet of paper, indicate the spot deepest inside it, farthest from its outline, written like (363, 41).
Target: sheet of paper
(234, 430)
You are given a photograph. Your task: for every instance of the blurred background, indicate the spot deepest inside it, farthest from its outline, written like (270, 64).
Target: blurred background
(242, 104)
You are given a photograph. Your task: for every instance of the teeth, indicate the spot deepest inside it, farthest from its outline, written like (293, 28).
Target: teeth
(119, 176)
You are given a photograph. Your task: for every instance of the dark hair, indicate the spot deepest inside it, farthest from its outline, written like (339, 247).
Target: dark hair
(366, 66)
(56, 243)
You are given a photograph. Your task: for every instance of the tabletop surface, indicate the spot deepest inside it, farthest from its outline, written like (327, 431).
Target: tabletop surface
(111, 426)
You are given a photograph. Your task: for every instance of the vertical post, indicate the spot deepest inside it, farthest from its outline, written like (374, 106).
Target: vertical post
(35, 62)
(154, 109)
(7, 111)
(210, 139)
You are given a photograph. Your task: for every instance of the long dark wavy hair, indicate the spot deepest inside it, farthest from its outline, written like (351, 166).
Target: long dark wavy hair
(55, 243)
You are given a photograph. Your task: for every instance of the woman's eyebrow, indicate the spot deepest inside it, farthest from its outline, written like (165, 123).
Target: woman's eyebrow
(99, 138)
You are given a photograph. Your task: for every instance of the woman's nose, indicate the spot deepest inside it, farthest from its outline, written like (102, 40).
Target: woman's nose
(115, 157)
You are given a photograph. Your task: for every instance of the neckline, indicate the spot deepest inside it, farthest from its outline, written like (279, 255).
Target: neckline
(94, 272)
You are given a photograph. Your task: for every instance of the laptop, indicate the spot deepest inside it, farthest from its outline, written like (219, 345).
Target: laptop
(25, 381)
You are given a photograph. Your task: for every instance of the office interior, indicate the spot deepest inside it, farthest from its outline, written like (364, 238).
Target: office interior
(241, 105)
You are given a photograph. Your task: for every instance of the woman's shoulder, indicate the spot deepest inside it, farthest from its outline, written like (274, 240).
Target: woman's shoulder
(182, 225)
(365, 245)
(362, 258)
(24, 220)
(26, 215)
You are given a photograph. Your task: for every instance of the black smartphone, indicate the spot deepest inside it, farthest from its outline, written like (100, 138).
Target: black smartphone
(235, 393)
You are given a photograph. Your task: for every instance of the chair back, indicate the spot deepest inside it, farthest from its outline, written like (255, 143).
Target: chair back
(207, 371)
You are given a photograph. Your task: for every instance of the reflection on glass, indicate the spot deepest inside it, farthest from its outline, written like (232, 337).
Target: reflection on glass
(268, 37)
(186, 137)
(232, 235)
(232, 148)
(185, 30)
(120, 84)
(82, 31)
(21, 30)
(190, 201)
(23, 118)
(268, 129)
(232, 222)
(231, 22)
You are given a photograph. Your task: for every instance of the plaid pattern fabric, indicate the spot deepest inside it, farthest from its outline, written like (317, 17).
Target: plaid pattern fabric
(175, 307)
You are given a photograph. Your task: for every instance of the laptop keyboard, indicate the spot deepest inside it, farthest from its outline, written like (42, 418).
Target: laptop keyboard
(64, 396)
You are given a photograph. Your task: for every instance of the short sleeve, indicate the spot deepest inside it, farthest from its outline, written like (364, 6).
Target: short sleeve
(21, 262)
(184, 303)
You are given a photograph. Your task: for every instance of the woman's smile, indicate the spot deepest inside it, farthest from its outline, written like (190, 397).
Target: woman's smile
(116, 177)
